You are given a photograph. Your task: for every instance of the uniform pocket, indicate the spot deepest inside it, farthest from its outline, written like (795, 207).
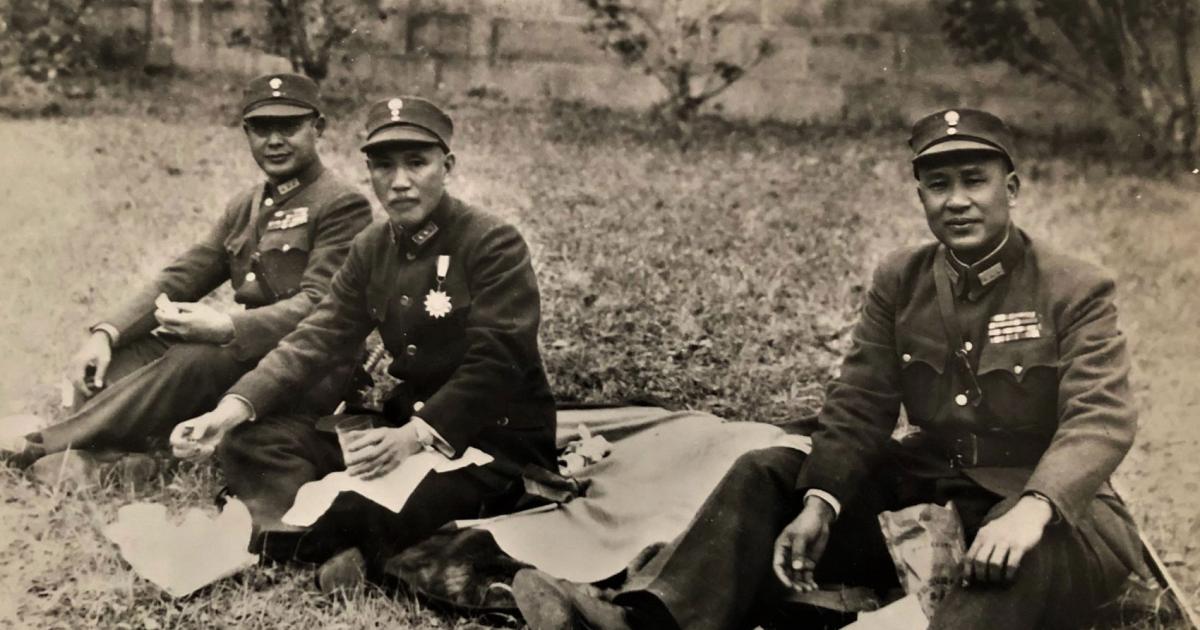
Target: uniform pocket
(915, 350)
(283, 258)
(1019, 358)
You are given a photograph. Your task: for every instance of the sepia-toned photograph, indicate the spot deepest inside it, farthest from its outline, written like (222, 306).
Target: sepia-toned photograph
(600, 314)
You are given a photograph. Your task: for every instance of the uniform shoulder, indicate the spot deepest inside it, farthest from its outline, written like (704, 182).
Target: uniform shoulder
(904, 262)
(331, 185)
(474, 221)
(1067, 275)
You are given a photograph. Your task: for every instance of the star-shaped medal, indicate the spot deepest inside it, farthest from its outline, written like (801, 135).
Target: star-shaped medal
(437, 304)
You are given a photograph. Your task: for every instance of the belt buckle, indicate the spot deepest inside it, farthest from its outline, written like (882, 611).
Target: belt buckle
(966, 451)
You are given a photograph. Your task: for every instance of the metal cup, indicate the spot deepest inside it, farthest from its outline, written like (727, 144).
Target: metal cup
(348, 425)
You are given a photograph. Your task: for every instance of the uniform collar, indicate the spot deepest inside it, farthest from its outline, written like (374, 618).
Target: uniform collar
(424, 234)
(289, 187)
(974, 280)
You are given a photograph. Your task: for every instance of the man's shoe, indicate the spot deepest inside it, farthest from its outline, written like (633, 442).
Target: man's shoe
(67, 469)
(346, 571)
(549, 603)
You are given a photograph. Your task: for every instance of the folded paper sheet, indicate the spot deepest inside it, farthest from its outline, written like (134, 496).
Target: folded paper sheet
(391, 490)
(183, 558)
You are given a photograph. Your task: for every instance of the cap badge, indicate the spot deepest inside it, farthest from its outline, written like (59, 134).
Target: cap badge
(395, 105)
(275, 83)
(951, 118)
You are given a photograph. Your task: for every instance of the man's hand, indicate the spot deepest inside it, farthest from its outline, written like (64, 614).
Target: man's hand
(195, 321)
(90, 364)
(995, 554)
(196, 439)
(376, 452)
(801, 545)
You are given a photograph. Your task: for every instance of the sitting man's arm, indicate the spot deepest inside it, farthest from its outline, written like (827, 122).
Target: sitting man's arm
(329, 336)
(1096, 426)
(856, 421)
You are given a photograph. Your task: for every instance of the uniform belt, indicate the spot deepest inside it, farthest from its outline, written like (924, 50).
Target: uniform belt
(973, 450)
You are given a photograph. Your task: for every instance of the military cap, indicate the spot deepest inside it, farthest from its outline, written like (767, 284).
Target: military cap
(407, 119)
(280, 95)
(961, 130)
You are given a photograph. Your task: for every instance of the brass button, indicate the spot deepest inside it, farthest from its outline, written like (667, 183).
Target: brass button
(250, 277)
(961, 400)
(906, 357)
(405, 300)
(411, 256)
(968, 346)
(285, 248)
(1017, 369)
(410, 350)
(268, 202)
(503, 421)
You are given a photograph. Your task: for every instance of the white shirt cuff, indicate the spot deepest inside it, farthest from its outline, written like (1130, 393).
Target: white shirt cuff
(430, 438)
(245, 401)
(108, 329)
(828, 498)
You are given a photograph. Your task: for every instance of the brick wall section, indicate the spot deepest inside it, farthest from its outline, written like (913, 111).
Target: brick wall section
(855, 60)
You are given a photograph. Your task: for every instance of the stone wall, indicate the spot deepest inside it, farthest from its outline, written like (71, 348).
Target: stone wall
(847, 60)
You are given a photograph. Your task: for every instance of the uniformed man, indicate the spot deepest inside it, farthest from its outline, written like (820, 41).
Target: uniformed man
(159, 360)
(452, 292)
(1006, 355)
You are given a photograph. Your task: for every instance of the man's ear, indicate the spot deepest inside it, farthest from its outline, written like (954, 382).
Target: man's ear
(448, 162)
(1012, 183)
(319, 124)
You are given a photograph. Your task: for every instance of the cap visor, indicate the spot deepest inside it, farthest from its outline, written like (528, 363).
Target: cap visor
(279, 110)
(399, 134)
(951, 146)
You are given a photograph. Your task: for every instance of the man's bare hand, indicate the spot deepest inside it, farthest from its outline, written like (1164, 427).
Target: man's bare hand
(195, 321)
(801, 544)
(196, 439)
(374, 453)
(90, 365)
(996, 553)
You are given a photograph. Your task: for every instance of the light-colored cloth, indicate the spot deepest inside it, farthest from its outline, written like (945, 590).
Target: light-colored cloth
(645, 492)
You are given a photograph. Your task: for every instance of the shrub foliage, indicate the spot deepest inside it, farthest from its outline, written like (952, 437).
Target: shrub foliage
(308, 31)
(1134, 54)
(680, 44)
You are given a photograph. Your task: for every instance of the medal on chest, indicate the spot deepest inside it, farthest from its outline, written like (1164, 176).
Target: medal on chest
(437, 302)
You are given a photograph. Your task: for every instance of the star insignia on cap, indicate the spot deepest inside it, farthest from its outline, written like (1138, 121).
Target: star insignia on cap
(275, 83)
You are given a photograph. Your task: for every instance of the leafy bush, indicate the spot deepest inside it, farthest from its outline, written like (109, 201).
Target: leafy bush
(48, 39)
(1133, 54)
(308, 31)
(680, 45)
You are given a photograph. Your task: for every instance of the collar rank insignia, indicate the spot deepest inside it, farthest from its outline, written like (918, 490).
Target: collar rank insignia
(288, 186)
(284, 219)
(991, 274)
(424, 234)
(437, 302)
(1005, 327)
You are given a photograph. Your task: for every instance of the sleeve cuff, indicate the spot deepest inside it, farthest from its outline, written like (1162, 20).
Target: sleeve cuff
(108, 329)
(245, 402)
(430, 438)
(828, 498)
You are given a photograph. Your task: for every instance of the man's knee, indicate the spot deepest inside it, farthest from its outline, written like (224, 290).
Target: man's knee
(765, 466)
(203, 363)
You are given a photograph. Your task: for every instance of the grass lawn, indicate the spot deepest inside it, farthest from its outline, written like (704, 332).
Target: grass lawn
(722, 278)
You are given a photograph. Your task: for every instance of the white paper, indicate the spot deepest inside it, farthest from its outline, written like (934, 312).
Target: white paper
(391, 490)
(902, 614)
(13, 430)
(183, 558)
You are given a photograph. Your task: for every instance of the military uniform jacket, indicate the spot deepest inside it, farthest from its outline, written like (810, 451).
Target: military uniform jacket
(278, 245)
(476, 369)
(1048, 410)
